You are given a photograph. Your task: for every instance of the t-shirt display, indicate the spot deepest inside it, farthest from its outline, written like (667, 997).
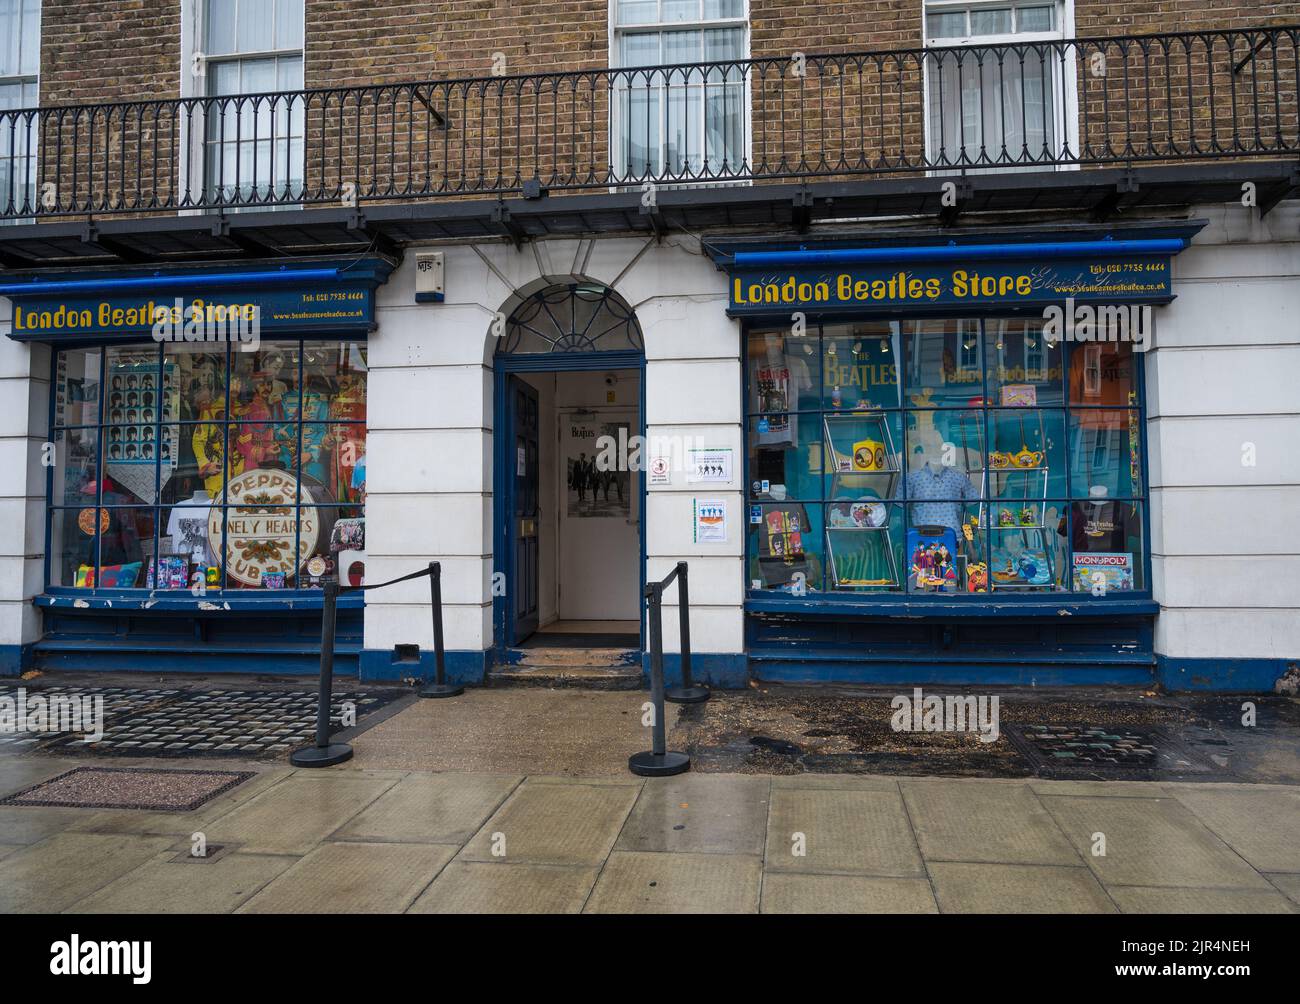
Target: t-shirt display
(949, 485)
(1099, 526)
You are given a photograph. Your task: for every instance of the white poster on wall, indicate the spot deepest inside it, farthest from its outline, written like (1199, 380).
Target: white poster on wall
(710, 521)
(709, 467)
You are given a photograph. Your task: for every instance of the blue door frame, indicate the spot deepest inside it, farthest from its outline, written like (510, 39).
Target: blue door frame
(503, 467)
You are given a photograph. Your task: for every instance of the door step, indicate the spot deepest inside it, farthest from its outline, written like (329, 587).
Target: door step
(587, 668)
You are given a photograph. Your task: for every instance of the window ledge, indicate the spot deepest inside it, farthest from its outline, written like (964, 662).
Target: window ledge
(971, 605)
(214, 603)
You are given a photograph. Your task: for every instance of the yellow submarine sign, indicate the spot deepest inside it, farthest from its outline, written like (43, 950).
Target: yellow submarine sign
(937, 284)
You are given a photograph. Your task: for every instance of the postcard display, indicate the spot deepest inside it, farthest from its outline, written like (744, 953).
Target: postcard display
(131, 414)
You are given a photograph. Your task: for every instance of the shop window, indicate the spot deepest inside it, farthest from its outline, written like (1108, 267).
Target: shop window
(20, 63)
(989, 106)
(253, 148)
(956, 456)
(180, 448)
(680, 122)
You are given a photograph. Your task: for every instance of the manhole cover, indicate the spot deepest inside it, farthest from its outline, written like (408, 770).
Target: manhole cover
(1070, 748)
(130, 788)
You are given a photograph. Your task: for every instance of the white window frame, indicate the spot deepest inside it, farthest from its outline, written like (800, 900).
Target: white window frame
(1064, 105)
(32, 154)
(617, 31)
(195, 65)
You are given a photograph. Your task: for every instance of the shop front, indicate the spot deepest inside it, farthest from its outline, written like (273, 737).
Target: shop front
(946, 473)
(205, 470)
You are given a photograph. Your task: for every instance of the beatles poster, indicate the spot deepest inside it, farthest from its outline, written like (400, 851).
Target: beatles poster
(598, 484)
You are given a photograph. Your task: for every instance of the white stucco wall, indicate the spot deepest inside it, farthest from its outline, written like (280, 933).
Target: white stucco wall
(1225, 372)
(429, 493)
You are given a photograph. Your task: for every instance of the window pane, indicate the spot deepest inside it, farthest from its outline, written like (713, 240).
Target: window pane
(786, 547)
(1106, 543)
(947, 25)
(638, 11)
(1101, 374)
(785, 457)
(76, 399)
(288, 71)
(942, 364)
(783, 371)
(30, 61)
(722, 44)
(255, 26)
(682, 47)
(859, 365)
(724, 8)
(681, 10)
(1105, 454)
(220, 37)
(1035, 18)
(288, 24)
(76, 471)
(991, 22)
(863, 547)
(1026, 456)
(1025, 369)
(641, 49)
(862, 455)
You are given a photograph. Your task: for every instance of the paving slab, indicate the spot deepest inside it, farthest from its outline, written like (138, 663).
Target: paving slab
(513, 731)
(962, 887)
(848, 782)
(863, 832)
(296, 814)
(17, 773)
(637, 882)
(431, 808)
(480, 887)
(1110, 789)
(1150, 842)
(353, 878)
(1142, 899)
(165, 885)
(563, 824)
(7, 849)
(29, 824)
(1288, 885)
(52, 875)
(1262, 825)
(845, 894)
(703, 813)
(973, 821)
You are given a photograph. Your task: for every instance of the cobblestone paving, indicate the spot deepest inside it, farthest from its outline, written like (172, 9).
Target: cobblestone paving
(176, 722)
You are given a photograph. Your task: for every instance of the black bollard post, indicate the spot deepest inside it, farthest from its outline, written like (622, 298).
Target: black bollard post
(325, 753)
(658, 762)
(440, 687)
(688, 692)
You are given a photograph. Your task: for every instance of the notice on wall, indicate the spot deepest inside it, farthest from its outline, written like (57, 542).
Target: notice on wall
(710, 521)
(709, 467)
(659, 471)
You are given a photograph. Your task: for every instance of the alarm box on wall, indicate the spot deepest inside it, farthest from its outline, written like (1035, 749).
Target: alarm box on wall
(428, 277)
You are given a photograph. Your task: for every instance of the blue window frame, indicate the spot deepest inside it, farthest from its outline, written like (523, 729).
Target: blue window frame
(155, 449)
(889, 459)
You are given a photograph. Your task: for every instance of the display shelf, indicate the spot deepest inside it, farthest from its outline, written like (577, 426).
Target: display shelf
(869, 454)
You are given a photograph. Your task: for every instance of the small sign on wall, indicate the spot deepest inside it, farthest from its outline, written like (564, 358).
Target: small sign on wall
(660, 471)
(709, 467)
(710, 521)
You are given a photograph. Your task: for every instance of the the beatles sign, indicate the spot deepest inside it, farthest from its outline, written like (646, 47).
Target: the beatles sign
(941, 284)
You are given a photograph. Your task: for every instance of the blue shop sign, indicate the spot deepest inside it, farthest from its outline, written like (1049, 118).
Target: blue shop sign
(172, 306)
(928, 284)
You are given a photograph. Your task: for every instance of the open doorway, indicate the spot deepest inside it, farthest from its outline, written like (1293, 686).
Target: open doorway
(569, 417)
(589, 509)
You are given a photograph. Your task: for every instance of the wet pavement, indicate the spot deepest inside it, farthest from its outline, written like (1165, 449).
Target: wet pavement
(799, 800)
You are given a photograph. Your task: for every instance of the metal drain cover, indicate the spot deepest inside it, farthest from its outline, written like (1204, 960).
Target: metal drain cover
(1070, 749)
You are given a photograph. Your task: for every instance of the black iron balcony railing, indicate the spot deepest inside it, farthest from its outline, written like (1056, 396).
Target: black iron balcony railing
(1043, 105)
